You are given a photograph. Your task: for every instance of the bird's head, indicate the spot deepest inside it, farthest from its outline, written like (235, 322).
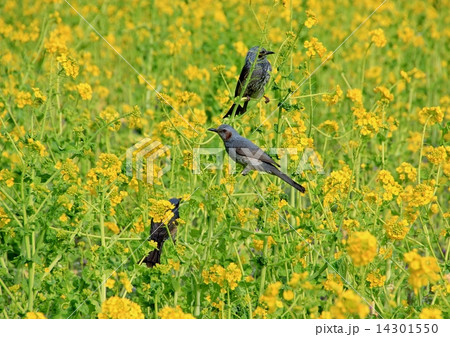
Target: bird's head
(225, 131)
(261, 52)
(175, 202)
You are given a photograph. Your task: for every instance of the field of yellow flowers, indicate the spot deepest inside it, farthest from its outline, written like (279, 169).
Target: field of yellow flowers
(368, 239)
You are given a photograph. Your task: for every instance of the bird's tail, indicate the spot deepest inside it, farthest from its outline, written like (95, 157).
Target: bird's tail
(288, 179)
(239, 110)
(154, 257)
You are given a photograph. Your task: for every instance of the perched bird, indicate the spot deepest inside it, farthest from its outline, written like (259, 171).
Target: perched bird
(258, 80)
(159, 233)
(244, 152)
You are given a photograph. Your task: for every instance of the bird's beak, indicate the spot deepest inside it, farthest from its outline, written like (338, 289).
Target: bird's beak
(269, 52)
(212, 129)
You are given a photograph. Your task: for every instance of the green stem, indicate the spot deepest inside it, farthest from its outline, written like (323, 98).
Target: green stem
(421, 150)
(264, 268)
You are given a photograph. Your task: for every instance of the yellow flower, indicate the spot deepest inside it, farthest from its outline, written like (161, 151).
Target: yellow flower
(376, 279)
(349, 304)
(224, 277)
(38, 95)
(37, 146)
(195, 73)
(106, 171)
(396, 230)
(260, 312)
(430, 313)
(333, 283)
(362, 248)
(112, 226)
(337, 185)
(432, 115)
(120, 308)
(63, 218)
(350, 224)
(69, 170)
(435, 155)
(4, 219)
(368, 122)
(390, 186)
(270, 297)
(315, 47)
(311, 19)
(69, 65)
(160, 210)
(378, 38)
(111, 116)
(406, 170)
(335, 98)
(174, 313)
(294, 282)
(125, 282)
(85, 91)
(355, 96)
(110, 283)
(259, 244)
(241, 48)
(329, 127)
(35, 315)
(385, 93)
(23, 98)
(419, 195)
(422, 270)
(288, 295)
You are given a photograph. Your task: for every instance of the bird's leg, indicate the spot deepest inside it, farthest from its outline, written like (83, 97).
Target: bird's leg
(266, 99)
(246, 170)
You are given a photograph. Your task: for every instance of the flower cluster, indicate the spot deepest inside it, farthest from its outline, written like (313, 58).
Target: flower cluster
(315, 47)
(4, 219)
(436, 155)
(85, 91)
(160, 210)
(35, 315)
(362, 248)
(378, 38)
(407, 171)
(419, 195)
(422, 269)
(349, 304)
(120, 308)
(224, 277)
(270, 297)
(333, 283)
(368, 123)
(390, 187)
(337, 185)
(107, 170)
(173, 313)
(430, 313)
(431, 115)
(376, 279)
(395, 229)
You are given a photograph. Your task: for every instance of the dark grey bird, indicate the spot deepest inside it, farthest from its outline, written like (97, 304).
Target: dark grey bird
(159, 232)
(258, 80)
(244, 152)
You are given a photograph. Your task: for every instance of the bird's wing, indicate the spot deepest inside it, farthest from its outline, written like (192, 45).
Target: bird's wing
(241, 81)
(248, 149)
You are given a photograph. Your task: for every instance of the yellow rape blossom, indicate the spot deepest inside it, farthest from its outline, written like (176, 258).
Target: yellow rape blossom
(362, 248)
(120, 308)
(173, 313)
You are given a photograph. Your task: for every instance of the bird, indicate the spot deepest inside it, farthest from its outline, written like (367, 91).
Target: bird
(244, 152)
(258, 80)
(159, 232)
